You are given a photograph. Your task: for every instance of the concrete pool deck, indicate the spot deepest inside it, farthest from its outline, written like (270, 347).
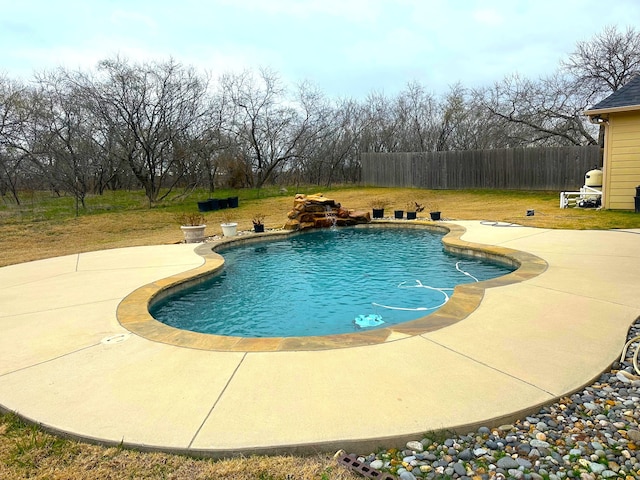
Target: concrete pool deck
(67, 363)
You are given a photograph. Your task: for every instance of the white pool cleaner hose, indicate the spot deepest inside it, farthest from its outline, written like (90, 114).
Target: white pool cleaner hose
(419, 284)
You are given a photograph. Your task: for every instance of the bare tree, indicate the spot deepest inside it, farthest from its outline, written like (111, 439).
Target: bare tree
(14, 113)
(465, 124)
(209, 141)
(606, 62)
(548, 111)
(543, 112)
(66, 154)
(453, 115)
(333, 155)
(156, 124)
(147, 108)
(271, 130)
(418, 119)
(382, 125)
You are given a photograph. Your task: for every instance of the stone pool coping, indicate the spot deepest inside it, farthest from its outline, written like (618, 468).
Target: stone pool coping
(133, 312)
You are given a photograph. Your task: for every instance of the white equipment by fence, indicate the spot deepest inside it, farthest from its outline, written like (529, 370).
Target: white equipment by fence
(589, 196)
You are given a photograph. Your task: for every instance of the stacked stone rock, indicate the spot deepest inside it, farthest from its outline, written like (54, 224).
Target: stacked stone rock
(318, 211)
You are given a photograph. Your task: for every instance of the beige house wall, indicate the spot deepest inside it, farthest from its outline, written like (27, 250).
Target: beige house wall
(621, 160)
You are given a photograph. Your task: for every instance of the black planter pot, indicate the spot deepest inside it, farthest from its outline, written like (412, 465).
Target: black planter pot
(378, 213)
(203, 206)
(435, 215)
(412, 215)
(258, 228)
(398, 214)
(232, 202)
(213, 204)
(223, 203)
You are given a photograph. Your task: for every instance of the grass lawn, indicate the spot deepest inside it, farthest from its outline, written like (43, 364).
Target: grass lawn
(45, 226)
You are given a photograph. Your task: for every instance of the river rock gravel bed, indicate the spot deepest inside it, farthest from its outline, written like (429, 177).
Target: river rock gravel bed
(592, 434)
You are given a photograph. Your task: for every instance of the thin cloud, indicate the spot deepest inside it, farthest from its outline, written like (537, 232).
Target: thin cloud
(346, 47)
(130, 19)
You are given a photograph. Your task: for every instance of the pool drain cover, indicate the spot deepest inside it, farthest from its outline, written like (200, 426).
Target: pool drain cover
(120, 337)
(351, 461)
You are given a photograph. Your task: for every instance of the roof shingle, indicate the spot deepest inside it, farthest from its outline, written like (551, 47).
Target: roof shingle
(626, 96)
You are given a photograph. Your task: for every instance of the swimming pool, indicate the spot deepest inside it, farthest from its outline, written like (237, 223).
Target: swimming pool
(324, 282)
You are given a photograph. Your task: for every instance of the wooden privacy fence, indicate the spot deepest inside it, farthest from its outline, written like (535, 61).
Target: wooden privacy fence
(547, 168)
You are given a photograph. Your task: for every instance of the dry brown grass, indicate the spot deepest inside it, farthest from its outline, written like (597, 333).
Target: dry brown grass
(22, 241)
(26, 452)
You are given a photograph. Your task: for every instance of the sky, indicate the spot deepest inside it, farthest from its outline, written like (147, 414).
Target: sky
(347, 48)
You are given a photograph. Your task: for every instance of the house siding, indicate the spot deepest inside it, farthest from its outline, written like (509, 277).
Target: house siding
(622, 160)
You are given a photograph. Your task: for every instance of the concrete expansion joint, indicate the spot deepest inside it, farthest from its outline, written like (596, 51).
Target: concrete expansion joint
(495, 369)
(62, 307)
(37, 280)
(620, 230)
(220, 395)
(49, 360)
(599, 254)
(604, 301)
(521, 237)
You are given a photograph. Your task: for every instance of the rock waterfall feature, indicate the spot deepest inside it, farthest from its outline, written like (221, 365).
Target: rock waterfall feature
(318, 211)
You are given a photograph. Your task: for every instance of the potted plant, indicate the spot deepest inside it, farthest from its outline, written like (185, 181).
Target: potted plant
(229, 227)
(192, 226)
(412, 210)
(258, 225)
(232, 202)
(213, 204)
(434, 210)
(204, 206)
(377, 205)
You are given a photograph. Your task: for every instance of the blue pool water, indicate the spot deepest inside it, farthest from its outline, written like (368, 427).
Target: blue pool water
(324, 282)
